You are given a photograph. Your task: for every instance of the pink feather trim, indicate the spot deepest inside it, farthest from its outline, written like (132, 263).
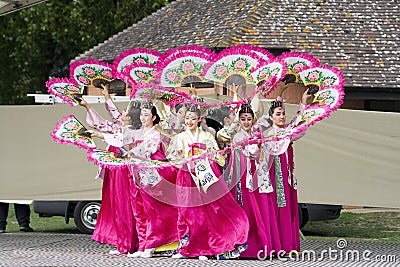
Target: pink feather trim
(136, 52)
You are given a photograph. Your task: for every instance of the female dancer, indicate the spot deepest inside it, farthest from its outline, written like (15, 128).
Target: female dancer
(250, 187)
(280, 156)
(210, 221)
(155, 217)
(115, 220)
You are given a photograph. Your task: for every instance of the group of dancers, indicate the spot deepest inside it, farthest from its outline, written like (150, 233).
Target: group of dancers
(240, 203)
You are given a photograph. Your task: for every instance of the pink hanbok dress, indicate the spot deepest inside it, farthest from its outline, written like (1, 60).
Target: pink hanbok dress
(115, 223)
(155, 213)
(284, 182)
(209, 219)
(253, 191)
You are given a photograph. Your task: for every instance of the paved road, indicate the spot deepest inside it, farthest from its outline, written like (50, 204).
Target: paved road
(38, 249)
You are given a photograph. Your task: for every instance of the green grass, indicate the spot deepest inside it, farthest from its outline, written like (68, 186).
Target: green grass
(375, 226)
(42, 224)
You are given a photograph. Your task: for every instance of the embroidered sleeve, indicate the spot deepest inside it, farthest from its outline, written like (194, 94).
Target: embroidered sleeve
(97, 122)
(295, 121)
(299, 134)
(297, 118)
(250, 151)
(113, 112)
(175, 148)
(121, 138)
(262, 124)
(152, 144)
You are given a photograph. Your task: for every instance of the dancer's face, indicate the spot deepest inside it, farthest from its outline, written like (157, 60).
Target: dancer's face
(279, 117)
(246, 121)
(146, 118)
(181, 114)
(192, 120)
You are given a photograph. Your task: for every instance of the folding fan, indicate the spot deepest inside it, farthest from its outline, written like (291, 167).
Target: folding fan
(332, 97)
(65, 89)
(71, 131)
(232, 66)
(182, 67)
(297, 62)
(273, 68)
(139, 72)
(313, 114)
(111, 160)
(324, 77)
(136, 55)
(108, 159)
(91, 72)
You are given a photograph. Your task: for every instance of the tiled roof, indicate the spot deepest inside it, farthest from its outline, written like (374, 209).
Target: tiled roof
(361, 37)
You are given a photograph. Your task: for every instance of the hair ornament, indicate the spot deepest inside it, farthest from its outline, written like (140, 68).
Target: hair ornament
(147, 104)
(246, 108)
(278, 103)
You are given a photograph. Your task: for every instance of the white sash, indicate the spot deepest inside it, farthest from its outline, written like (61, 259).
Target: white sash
(264, 181)
(149, 176)
(205, 176)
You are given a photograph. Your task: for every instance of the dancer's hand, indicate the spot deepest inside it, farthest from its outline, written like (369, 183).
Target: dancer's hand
(105, 91)
(96, 134)
(305, 97)
(84, 104)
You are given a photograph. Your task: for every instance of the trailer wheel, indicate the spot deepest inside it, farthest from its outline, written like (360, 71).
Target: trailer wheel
(85, 216)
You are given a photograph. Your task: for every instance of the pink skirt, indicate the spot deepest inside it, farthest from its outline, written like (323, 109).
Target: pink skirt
(116, 224)
(214, 221)
(156, 213)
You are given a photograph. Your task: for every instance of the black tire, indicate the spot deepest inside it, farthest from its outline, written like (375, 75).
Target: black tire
(85, 216)
(303, 217)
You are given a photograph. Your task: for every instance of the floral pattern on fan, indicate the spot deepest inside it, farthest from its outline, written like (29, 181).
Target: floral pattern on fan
(296, 63)
(110, 159)
(313, 114)
(332, 97)
(135, 56)
(103, 157)
(186, 67)
(230, 62)
(71, 131)
(65, 89)
(324, 77)
(182, 66)
(240, 65)
(271, 69)
(91, 72)
(138, 73)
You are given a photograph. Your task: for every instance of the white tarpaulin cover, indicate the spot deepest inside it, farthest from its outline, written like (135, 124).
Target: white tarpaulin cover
(351, 158)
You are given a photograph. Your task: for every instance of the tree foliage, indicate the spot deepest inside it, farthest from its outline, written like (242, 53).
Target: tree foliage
(39, 42)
